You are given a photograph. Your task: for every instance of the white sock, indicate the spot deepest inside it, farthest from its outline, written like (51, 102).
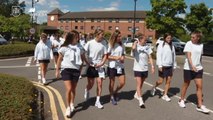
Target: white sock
(98, 99)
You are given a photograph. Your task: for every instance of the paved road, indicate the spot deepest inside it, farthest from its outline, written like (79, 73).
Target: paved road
(127, 108)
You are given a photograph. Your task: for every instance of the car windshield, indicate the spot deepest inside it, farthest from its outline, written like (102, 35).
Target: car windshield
(175, 40)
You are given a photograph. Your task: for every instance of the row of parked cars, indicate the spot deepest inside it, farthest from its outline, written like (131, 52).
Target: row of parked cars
(178, 44)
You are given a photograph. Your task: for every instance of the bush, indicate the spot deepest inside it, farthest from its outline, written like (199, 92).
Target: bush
(17, 98)
(17, 49)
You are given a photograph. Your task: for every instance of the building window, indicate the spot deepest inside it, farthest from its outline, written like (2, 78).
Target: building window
(92, 27)
(110, 28)
(137, 28)
(129, 28)
(92, 20)
(67, 28)
(150, 30)
(117, 20)
(116, 27)
(81, 27)
(82, 20)
(98, 20)
(137, 20)
(98, 27)
(130, 20)
(67, 21)
(110, 20)
(76, 27)
(76, 20)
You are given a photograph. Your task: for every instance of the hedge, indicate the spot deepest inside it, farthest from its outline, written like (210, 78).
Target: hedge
(17, 49)
(18, 98)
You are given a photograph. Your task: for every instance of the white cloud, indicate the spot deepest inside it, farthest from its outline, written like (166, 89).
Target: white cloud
(113, 6)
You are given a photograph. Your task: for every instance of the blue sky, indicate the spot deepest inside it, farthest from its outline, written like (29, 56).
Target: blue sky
(45, 6)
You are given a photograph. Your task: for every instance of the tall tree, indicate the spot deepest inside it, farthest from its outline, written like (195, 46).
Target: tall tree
(6, 7)
(199, 18)
(164, 16)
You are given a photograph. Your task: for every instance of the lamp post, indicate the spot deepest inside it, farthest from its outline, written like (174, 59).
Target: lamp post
(85, 25)
(134, 19)
(33, 9)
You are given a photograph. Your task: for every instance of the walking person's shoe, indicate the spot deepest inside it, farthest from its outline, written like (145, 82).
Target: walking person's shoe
(141, 103)
(203, 109)
(68, 112)
(166, 98)
(136, 96)
(114, 102)
(44, 82)
(98, 105)
(153, 91)
(86, 95)
(181, 103)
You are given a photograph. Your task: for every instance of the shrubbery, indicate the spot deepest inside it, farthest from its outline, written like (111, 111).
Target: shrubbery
(18, 98)
(17, 49)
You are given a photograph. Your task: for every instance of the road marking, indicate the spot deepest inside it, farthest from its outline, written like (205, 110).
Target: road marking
(178, 97)
(17, 66)
(52, 101)
(60, 100)
(14, 59)
(28, 61)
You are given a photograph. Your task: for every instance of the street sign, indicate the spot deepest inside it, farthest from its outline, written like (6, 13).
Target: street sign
(32, 30)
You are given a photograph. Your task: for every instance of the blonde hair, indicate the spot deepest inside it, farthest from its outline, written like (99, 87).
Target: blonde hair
(98, 32)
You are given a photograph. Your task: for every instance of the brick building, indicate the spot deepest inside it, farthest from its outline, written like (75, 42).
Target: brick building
(109, 21)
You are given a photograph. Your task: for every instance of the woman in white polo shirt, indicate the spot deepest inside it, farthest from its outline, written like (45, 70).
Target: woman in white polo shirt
(56, 45)
(96, 52)
(71, 56)
(166, 61)
(115, 68)
(142, 56)
(193, 70)
(42, 54)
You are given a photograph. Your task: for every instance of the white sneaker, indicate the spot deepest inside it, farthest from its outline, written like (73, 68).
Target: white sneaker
(86, 94)
(80, 77)
(44, 81)
(141, 103)
(72, 107)
(98, 104)
(166, 98)
(68, 112)
(182, 103)
(136, 96)
(153, 91)
(114, 102)
(203, 109)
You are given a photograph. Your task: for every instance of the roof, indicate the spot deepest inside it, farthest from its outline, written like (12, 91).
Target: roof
(56, 12)
(104, 14)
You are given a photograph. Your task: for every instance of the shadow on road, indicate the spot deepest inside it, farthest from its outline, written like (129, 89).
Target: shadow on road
(192, 98)
(173, 91)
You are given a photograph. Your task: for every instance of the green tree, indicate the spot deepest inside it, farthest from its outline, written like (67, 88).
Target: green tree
(164, 16)
(200, 18)
(6, 7)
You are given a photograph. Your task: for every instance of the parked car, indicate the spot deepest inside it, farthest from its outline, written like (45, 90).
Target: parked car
(2, 40)
(129, 41)
(208, 48)
(176, 42)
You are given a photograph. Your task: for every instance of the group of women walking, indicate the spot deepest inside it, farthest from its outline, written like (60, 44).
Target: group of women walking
(70, 56)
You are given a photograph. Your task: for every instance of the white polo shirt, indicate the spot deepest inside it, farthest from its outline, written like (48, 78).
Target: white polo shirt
(141, 57)
(196, 51)
(95, 51)
(69, 61)
(117, 50)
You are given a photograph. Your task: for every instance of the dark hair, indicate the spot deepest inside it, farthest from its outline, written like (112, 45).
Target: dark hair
(114, 37)
(76, 33)
(164, 38)
(70, 36)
